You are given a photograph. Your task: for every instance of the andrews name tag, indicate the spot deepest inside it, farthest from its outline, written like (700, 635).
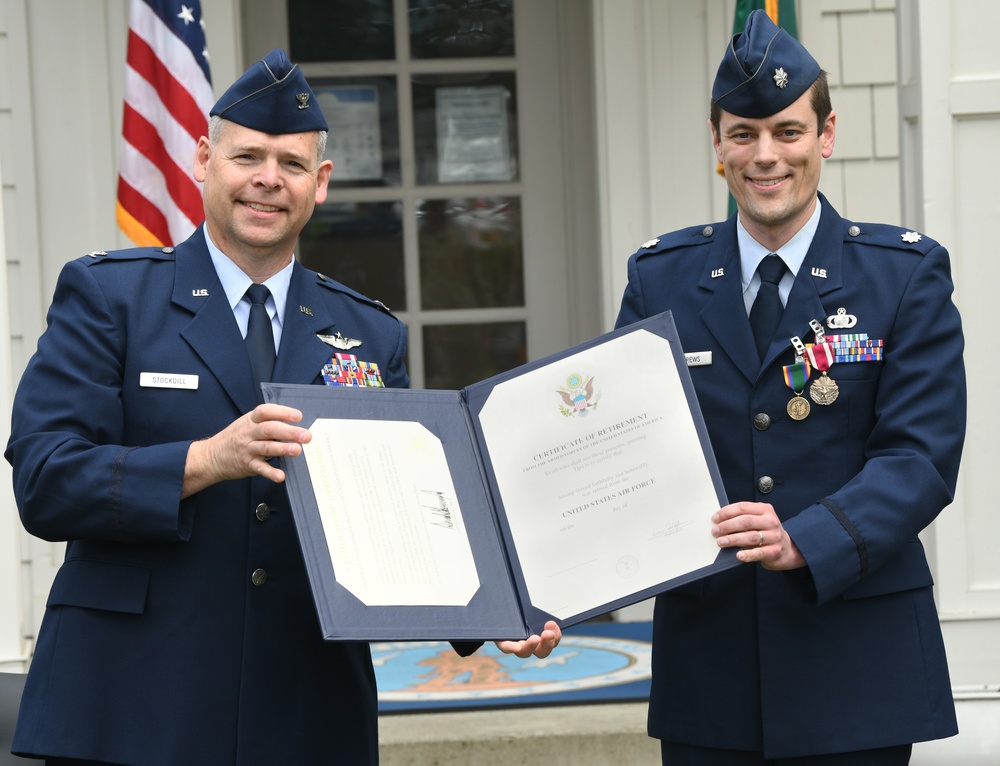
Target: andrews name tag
(698, 359)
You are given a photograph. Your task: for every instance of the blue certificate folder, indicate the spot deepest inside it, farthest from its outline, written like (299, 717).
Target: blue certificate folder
(501, 607)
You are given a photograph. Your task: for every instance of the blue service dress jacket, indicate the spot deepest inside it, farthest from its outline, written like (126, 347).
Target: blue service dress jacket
(846, 654)
(178, 631)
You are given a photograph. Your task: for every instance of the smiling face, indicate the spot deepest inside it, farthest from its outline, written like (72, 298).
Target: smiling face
(772, 166)
(259, 191)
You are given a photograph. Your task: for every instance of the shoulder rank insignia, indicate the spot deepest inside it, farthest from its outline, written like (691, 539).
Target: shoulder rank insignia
(912, 237)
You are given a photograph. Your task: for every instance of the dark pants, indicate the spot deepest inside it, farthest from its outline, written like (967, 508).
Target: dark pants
(688, 755)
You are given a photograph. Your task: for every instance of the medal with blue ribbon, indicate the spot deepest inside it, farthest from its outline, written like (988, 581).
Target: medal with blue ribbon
(796, 375)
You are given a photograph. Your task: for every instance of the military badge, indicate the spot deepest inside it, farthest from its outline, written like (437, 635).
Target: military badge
(855, 347)
(796, 375)
(824, 390)
(841, 320)
(339, 341)
(347, 370)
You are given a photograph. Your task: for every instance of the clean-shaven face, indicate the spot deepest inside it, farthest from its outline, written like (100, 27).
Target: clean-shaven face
(259, 191)
(772, 165)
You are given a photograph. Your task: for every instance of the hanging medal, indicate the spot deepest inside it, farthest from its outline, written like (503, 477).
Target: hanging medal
(796, 375)
(824, 389)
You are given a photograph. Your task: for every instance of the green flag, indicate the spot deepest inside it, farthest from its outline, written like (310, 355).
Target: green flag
(782, 13)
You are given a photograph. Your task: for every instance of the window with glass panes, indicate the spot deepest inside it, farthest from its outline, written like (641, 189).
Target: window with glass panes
(424, 208)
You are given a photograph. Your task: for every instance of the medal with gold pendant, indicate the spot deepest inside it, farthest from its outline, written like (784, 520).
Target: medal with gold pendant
(796, 375)
(824, 389)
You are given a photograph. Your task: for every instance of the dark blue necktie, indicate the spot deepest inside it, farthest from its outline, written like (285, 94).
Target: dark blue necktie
(767, 309)
(260, 339)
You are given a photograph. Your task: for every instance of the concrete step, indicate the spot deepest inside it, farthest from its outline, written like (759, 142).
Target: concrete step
(565, 735)
(599, 735)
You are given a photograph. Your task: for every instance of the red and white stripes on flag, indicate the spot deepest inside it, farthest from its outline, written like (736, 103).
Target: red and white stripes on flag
(168, 94)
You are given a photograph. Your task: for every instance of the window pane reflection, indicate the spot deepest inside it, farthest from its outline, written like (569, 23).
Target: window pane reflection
(461, 28)
(360, 245)
(470, 252)
(345, 30)
(465, 127)
(363, 141)
(456, 356)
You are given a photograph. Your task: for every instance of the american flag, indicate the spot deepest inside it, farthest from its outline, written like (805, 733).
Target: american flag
(168, 94)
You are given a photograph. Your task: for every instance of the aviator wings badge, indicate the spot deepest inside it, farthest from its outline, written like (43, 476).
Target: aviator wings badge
(338, 341)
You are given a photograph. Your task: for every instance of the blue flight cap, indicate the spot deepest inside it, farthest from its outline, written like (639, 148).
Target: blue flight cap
(273, 97)
(764, 70)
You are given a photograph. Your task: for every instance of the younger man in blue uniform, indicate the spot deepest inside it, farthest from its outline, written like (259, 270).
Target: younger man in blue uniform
(834, 396)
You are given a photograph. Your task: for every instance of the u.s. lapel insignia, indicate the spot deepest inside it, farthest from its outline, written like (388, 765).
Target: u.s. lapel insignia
(306, 310)
(339, 341)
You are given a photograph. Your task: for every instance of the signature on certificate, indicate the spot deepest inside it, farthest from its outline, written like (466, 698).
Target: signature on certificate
(438, 508)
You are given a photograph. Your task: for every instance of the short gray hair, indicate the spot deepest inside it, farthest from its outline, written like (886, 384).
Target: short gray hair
(216, 122)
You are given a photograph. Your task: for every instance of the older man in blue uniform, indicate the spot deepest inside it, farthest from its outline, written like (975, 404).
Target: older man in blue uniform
(832, 385)
(181, 627)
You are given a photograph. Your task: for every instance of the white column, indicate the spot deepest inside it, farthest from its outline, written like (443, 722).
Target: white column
(12, 644)
(950, 110)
